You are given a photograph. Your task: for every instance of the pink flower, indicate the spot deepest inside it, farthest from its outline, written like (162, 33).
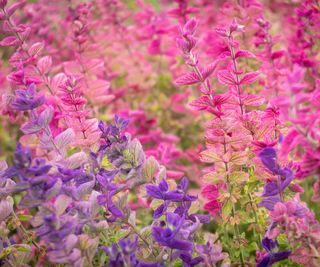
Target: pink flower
(211, 192)
(279, 212)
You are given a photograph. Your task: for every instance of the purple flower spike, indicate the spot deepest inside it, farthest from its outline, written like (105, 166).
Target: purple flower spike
(269, 245)
(268, 157)
(188, 261)
(161, 192)
(273, 190)
(166, 237)
(270, 202)
(125, 254)
(27, 99)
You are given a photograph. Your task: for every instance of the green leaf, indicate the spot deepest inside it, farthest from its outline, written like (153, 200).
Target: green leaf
(105, 162)
(25, 217)
(238, 177)
(136, 151)
(5, 252)
(178, 263)
(253, 247)
(150, 168)
(227, 208)
(23, 248)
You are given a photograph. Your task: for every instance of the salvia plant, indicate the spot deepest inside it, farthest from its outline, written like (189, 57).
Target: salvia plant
(159, 133)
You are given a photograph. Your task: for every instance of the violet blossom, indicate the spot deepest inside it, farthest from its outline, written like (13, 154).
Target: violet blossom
(27, 99)
(272, 257)
(273, 190)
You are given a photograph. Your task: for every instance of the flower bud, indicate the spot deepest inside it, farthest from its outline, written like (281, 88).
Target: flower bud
(3, 3)
(190, 27)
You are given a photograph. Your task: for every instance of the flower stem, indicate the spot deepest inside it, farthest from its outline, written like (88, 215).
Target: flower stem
(25, 232)
(236, 74)
(142, 238)
(236, 228)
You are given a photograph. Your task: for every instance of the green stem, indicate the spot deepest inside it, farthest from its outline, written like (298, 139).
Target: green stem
(237, 234)
(237, 75)
(236, 228)
(255, 215)
(199, 74)
(24, 230)
(170, 259)
(143, 239)
(88, 259)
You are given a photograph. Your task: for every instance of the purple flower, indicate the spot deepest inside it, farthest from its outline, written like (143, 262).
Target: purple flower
(210, 252)
(24, 170)
(188, 261)
(67, 175)
(58, 232)
(54, 228)
(269, 202)
(166, 237)
(268, 157)
(272, 190)
(27, 99)
(173, 238)
(178, 195)
(183, 211)
(123, 254)
(269, 245)
(121, 123)
(77, 182)
(160, 210)
(33, 178)
(182, 187)
(21, 160)
(161, 192)
(112, 132)
(105, 180)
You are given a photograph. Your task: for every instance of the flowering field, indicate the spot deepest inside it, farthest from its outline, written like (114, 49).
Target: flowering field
(160, 133)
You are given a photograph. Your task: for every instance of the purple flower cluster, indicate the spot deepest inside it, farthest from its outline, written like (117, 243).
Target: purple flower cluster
(27, 99)
(70, 198)
(75, 200)
(273, 190)
(272, 257)
(109, 189)
(272, 194)
(123, 254)
(174, 231)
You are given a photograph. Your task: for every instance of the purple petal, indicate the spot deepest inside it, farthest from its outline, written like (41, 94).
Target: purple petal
(265, 262)
(173, 219)
(270, 202)
(268, 157)
(154, 192)
(287, 173)
(163, 186)
(203, 218)
(270, 189)
(102, 199)
(184, 184)
(268, 244)
(159, 211)
(181, 245)
(173, 196)
(279, 256)
(115, 211)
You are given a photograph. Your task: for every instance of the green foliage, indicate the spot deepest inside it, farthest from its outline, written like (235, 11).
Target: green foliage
(111, 235)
